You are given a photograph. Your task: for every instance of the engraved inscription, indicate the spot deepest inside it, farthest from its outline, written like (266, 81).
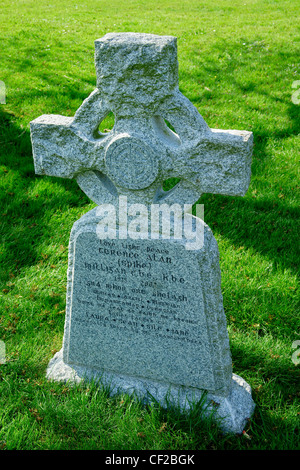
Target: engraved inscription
(134, 307)
(131, 163)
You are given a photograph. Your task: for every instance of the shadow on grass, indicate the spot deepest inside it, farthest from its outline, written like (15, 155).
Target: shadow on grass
(24, 213)
(81, 417)
(266, 226)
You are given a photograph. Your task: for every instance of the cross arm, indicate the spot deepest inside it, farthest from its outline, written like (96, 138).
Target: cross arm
(207, 160)
(59, 149)
(220, 163)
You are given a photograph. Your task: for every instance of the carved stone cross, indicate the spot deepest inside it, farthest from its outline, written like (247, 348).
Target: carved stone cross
(137, 80)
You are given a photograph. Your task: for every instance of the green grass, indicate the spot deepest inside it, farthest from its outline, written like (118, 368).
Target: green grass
(237, 64)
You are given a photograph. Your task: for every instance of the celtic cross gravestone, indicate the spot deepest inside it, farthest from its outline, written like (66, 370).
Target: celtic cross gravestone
(144, 311)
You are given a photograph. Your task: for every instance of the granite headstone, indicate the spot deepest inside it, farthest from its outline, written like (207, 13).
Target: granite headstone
(144, 310)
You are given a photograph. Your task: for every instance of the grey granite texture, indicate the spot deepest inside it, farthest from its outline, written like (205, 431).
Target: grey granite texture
(137, 79)
(147, 307)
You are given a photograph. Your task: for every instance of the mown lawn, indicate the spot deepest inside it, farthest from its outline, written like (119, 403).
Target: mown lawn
(237, 64)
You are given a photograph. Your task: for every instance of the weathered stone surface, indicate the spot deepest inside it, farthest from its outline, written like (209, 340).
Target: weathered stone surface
(137, 79)
(135, 72)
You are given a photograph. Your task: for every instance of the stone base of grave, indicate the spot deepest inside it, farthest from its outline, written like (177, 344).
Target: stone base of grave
(231, 412)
